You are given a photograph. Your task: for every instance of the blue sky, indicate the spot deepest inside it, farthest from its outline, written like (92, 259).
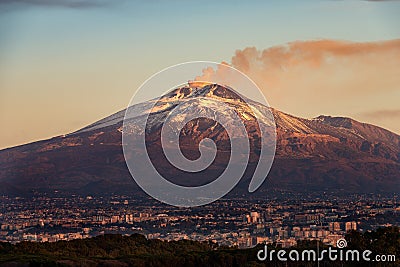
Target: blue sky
(187, 29)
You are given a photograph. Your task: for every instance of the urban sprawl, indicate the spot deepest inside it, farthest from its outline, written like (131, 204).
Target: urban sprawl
(284, 219)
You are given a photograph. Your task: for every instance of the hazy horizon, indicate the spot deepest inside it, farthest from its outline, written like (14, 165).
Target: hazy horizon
(64, 66)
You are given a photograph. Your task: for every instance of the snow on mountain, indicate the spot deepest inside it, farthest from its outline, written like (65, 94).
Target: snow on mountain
(324, 153)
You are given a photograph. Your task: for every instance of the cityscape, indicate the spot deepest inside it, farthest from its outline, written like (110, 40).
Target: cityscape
(232, 222)
(199, 133)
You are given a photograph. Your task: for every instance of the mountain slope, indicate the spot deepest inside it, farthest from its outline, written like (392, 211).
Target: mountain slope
(324, 153)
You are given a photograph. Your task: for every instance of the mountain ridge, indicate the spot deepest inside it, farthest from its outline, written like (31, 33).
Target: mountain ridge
(321, 153)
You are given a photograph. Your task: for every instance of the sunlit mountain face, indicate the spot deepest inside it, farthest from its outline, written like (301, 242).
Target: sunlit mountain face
(325, 153)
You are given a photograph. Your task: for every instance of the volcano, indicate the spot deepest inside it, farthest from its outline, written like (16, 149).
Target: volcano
(335, 154)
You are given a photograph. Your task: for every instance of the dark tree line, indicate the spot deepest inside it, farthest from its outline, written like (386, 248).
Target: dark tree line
(136, 250)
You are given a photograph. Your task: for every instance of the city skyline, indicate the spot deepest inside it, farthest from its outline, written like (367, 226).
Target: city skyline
(228, 222)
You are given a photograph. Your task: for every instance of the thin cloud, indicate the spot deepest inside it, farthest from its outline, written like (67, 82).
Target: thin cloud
(386, 118)
(382, 114)
(78, 4)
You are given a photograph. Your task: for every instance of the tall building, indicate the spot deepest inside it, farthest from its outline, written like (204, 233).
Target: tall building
(254, 216)
(129, 218)
(350, 226)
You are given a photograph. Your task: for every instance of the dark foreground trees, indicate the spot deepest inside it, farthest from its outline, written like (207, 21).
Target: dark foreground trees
(136, 250)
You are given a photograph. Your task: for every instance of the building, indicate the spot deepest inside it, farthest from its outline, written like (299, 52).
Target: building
(254, 217)
(350, 226)
(334, 227)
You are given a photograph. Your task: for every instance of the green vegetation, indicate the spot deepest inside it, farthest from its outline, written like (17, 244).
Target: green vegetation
(136, 250)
